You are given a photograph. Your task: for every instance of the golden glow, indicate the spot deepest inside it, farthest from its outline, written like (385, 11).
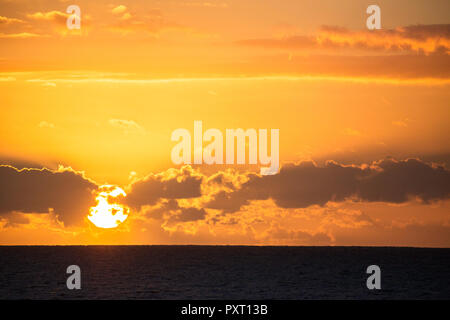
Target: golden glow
(108, 213)
(136, 71)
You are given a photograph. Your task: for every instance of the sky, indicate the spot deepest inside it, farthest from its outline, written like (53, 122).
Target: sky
(362, 117)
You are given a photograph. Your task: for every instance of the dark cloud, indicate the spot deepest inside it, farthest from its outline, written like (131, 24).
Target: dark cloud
(233, 201)
(164, 206)
(415, 38)
(190, 214)
(306, 184)
(67, 192)
(172, 184)
(174, 212)
(424, 32)
(418, 31)
(397, 181)
(14, 219)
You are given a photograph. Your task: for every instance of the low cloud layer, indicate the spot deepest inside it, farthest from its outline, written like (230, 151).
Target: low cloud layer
(171, 184)
(305, 184)
(185, 195)
(295, 186)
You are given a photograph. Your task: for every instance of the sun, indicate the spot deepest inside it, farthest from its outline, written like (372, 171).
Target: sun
(108, 213)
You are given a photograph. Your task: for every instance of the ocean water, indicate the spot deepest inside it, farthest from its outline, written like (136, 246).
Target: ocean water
(223, 272)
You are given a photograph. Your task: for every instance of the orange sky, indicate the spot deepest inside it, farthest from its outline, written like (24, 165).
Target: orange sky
(103, 100)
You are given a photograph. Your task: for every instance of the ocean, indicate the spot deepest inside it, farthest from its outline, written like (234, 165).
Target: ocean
(223, 272)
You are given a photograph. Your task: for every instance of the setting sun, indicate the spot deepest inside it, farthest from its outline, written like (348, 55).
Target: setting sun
(107, 213)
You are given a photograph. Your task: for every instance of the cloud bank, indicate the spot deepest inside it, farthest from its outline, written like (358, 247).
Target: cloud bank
(185, 194)
(426, 39)
(305, 184)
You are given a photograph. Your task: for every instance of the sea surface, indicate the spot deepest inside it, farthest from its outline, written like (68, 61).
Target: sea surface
(223, 272)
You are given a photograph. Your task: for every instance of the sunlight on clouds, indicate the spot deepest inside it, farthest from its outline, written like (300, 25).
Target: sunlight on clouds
(108, 214)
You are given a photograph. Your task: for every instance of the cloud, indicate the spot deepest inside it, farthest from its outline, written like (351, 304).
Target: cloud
(305, 204)
(296, 186)
(178, 196)
(13, 219)
(171, 184)
(22, 35)
(190, 214)
(163, 207)
(305, 184)
(45, 124)
(171, 211)
(351, 132)
(119, 9)
(391, 70)
(416, 38)
(401, 123)
(54, 16)
(152, 23)
(206, 4)
(49, 84)
(126, 125)
(6, 20)
(59, 20)
(65, 192)
(425, 39)
(123, 11)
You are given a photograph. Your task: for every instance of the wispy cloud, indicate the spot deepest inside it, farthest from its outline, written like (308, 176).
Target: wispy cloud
(152, 22)
(401, 123)
(58, 20)
(127, 126)
(205, 4)
(7, 79)
(351, 132)
(6, 20)
(22, 35)
(119, 9)
(45, 124)
(354, 79)
(53, 16)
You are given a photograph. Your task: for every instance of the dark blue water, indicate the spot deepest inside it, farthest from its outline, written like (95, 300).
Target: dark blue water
(222, 272)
